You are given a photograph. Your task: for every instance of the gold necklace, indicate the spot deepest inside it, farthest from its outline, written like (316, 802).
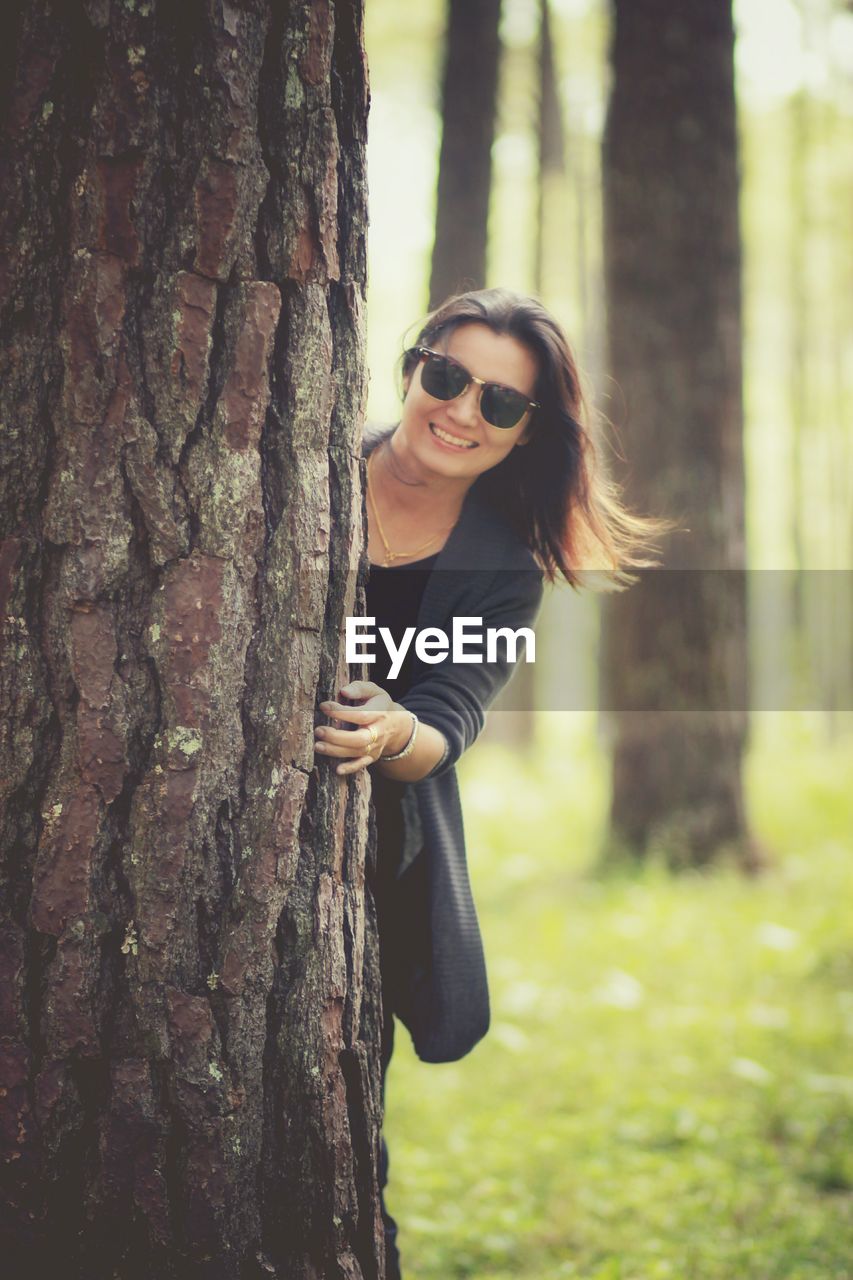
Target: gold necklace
(391, 556)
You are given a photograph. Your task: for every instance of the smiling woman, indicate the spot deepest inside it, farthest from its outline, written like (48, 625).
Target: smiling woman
(487, 484)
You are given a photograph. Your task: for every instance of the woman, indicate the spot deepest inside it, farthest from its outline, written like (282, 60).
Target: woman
(487, 485)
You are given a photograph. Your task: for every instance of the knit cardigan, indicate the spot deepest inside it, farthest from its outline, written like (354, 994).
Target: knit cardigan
(440, 992)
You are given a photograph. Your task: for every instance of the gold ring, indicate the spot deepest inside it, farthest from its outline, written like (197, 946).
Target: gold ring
(373, 738)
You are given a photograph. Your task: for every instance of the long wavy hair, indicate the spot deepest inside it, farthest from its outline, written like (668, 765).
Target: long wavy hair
(554, 491)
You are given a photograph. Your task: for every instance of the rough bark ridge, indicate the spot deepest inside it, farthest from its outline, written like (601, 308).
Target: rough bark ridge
(188, 969)
(676, 645)
(468, 104)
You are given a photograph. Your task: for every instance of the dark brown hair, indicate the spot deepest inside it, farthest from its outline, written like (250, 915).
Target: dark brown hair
(554, 490)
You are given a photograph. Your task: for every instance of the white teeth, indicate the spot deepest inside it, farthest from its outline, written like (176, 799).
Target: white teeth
(449, 439)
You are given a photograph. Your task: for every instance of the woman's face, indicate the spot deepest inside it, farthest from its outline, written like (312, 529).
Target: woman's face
(475, 445)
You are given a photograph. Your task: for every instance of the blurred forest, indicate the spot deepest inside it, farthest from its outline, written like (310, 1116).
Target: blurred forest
(667, 1087)
(794, 63)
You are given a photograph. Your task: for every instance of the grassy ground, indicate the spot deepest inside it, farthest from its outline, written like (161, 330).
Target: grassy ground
(667, 1086)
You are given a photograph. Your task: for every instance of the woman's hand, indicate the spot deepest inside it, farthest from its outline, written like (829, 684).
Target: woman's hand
(383, 727)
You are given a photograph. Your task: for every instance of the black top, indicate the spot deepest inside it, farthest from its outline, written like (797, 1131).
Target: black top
(393, 599)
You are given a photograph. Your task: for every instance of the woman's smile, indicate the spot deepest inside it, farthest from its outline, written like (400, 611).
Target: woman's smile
(448, 440)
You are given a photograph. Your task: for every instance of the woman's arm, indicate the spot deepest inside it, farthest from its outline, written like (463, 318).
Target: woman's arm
(453, 697)
(450, 702)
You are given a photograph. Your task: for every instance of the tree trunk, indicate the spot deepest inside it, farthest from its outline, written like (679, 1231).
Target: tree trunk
(468, 104)
(675, 645)
(798, 364)
(513, 718)
(550, 146)
(189, 972)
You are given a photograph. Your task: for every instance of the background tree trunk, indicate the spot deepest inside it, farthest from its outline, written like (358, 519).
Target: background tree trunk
(513, 718)
(468, 105)
(675, 645)
(550, 145)
(189, 974)
(798, 368)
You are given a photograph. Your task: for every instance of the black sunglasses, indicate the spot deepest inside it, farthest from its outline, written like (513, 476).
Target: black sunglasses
(445, 379)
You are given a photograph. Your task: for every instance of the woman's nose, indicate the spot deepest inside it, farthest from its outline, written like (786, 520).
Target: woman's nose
(466, 407)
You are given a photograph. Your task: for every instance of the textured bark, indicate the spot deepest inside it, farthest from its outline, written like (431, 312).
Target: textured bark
(468, 105)
(675, 646)
(188, 962)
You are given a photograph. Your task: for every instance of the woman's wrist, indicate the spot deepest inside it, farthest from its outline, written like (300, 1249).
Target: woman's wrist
(420, 759)
(403, 729)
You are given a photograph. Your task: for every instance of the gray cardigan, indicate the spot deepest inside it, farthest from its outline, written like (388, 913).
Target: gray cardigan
(484, 570)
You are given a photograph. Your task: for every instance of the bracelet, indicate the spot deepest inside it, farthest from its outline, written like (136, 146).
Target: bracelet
(410, 745)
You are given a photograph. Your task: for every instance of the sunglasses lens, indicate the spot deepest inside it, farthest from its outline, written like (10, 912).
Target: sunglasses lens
(502, 407)
(443, 379)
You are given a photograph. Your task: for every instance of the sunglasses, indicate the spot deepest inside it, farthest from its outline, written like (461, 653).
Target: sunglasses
(445, 379)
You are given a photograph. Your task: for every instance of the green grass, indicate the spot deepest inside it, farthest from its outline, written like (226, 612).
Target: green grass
(667, 1086)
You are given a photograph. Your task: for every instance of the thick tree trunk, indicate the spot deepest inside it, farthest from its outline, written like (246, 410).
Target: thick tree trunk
(468, 104)
(188, 962)
(675, 646)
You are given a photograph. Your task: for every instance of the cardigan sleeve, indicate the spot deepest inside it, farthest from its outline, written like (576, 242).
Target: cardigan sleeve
(453, 697)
